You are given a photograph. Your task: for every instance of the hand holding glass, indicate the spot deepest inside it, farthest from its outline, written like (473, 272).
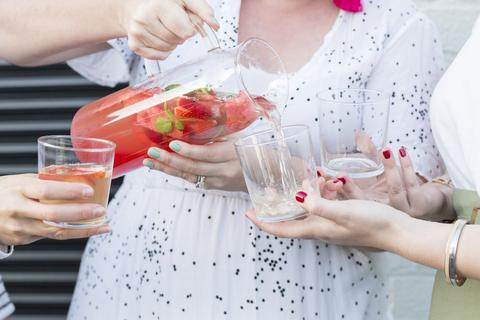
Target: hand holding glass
(80, 160)
(275, 169)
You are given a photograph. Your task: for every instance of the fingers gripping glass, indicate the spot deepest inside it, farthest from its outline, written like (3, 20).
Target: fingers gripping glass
(80, 160)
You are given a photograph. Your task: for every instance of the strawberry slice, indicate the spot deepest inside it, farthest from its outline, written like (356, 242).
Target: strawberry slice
(187, 108)
(264, 103)
(241, 112)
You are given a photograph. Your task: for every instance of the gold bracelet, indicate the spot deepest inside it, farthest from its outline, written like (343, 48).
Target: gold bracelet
(451, 275)
(473, 217)
(443, 181)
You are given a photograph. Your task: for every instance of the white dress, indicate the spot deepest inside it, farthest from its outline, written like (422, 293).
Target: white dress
(456, 116)
(180, 253)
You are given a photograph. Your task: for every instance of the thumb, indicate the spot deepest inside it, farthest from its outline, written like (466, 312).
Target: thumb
(315, 204)
(202, 9)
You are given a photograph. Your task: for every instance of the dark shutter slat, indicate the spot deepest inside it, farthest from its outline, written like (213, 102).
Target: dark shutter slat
(42, 105)
(17, 169)
(53, 255)
(10, 148)
(35, 126)
(40, 277)
(37, 317)
(42, 82)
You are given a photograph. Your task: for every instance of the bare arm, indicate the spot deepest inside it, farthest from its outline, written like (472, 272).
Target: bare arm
(49, 31)
(375, 225)
(424, 242)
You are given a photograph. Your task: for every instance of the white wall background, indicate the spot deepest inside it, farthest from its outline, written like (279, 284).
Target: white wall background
(411, 284)
(454, 19)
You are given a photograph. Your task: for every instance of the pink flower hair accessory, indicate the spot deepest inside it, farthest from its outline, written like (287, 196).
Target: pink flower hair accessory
(349, 5)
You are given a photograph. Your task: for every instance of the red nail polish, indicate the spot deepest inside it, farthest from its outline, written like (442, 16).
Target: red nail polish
(403, 152)
(300, 196)
(336, 181)
(344, 181)
(387, 154)
(319, 174)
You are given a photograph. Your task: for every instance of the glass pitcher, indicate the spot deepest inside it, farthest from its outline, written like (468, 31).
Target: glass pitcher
(198, 102)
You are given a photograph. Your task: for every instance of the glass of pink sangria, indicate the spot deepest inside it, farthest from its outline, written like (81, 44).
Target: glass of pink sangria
(80, 160)
(197, 102)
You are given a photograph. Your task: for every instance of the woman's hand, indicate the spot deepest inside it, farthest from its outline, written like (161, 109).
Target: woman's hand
(155, 27)
(344, 222)
(216, 161)
(329, 188)
(22, 213)
(401, 188)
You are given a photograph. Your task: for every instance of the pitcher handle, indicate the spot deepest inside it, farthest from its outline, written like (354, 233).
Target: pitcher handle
(207, 33)
(153, 67)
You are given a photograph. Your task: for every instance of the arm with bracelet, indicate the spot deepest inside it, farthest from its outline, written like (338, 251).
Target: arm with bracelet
(453, 248)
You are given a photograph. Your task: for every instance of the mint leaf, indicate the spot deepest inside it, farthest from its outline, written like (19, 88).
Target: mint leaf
(205, 90)
(179, 125)
(169, 114)
(171, 86)
(163, 125)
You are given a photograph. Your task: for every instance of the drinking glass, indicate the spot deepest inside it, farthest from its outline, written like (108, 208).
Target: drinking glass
(353, 129)
(81, 160)
(275, 169)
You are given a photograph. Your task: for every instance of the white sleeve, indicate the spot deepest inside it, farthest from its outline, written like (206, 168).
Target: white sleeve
(5, 251)
(456, 116)
(109, 67)
(408, 70)
(6, 306)
(468, 121)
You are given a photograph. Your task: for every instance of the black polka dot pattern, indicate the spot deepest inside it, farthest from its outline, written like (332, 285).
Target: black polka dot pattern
(181, 253)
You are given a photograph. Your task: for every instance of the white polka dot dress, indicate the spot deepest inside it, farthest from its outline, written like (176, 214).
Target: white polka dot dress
(181, 253)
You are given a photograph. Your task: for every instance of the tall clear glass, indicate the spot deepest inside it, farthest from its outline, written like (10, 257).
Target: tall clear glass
(80, 160)
(274, 174)
(353, 129)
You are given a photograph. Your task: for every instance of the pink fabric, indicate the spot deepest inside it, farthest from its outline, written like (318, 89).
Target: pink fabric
(349, 5)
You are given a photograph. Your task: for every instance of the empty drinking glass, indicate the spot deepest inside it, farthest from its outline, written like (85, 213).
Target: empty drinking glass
(275, 169)
(353, 129)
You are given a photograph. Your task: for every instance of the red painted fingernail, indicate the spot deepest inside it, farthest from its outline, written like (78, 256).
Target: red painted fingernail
(344, 181)
(387, 154)
(336, 181)
(319, 174)
(300, 196)
(403, 152)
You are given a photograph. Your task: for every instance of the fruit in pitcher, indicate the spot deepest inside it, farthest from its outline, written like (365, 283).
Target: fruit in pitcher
(137, 119)
(190, 109)
(240, 112)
